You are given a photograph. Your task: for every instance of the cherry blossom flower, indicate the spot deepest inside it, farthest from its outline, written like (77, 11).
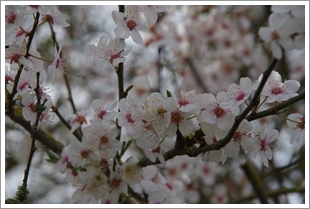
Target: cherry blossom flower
(157, 111)
(80, 154)
(179, 120)
(240, 137)
(59, 64)
(166, 145)
(264, 144)
(148, 139)
(212, 135)
(220, 194)
(29, 109)
(117, 184)
(214, 114)
(129, 24)
(186, 100)
(150, 12)
(108, 50)
(130, 117)
(16, 54)
(77, 119)
(238, 94)
(278, 34)
(12, 17)
(9, 76)
(296, 10)
(104, 111)
(25, 82)
(55, 17)
(101, 138)
(131, 172)
(275, 90)
(297, 121)
(92, 186)
(65, 162)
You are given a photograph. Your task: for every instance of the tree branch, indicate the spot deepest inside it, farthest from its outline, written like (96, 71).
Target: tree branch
(272, 193)
(277, 108)
(256, 181)
(45, 138)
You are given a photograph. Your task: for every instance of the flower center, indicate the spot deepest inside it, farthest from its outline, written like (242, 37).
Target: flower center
(84, 153)
(23, 85)
(11, 18)
(237, 136)
(129, 119)
(277, 90)
(32, 107)
(183, 102)
(15, 58)
(160, 112)
(104, 140)
(131, 24)
(114, 56)
(301, 125)
(240, 96)
(80, 119)
(176, 117)
(115, 183)
(49, 19)
(263, 145)
(101, 114)
(275, 36)
(219, 112)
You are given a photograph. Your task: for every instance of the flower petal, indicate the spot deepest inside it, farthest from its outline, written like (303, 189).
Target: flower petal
(136, 37)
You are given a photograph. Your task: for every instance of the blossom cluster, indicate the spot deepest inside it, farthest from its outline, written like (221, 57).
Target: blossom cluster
(286, 29)
(90, 165)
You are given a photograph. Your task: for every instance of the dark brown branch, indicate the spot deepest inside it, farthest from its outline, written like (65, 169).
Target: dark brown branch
(277, 108)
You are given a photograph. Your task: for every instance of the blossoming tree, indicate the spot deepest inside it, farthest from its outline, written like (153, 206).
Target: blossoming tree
(156, 104)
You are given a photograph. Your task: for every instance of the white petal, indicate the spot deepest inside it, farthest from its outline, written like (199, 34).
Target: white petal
(136, 37)
(291, 86)
(276, 50)
(170, 104)
(232, 149)
(272, 135)
(265, 33)
(118, 17)
(121, 32)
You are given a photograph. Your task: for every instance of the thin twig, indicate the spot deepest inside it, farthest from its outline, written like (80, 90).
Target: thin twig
(56, 111)
(277, 108)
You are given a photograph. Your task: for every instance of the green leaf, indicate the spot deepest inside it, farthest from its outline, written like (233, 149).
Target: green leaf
(52, 157)
(168, 93)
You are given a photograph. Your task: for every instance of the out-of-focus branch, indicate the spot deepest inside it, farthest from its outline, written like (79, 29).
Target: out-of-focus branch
(45, 138)
(198, 77)
(256, 181)
(272, 193)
